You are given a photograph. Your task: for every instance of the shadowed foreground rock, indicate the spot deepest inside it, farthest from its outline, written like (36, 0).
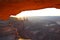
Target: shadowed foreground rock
(7, 32)
(36, 31)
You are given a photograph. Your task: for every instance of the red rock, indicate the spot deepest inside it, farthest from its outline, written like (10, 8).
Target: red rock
(13, 7)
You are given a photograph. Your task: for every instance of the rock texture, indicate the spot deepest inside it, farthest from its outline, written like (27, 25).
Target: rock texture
(13, 7)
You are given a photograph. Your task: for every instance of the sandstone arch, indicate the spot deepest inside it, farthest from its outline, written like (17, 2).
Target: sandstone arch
(13, 7)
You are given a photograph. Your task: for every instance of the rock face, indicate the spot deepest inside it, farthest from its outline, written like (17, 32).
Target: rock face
(13, 7)
(7, 32)
(13, 29)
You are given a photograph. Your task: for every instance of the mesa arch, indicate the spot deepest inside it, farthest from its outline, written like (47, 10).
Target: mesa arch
(13, 7)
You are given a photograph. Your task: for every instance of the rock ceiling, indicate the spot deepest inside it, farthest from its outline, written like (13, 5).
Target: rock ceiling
(13, 7)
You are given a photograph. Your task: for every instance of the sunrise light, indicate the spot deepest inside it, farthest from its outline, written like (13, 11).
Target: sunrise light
(40, 12)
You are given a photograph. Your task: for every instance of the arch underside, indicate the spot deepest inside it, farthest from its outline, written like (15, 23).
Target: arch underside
(13, 7)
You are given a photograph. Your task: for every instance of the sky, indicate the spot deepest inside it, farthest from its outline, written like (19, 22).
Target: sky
(40, 12)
